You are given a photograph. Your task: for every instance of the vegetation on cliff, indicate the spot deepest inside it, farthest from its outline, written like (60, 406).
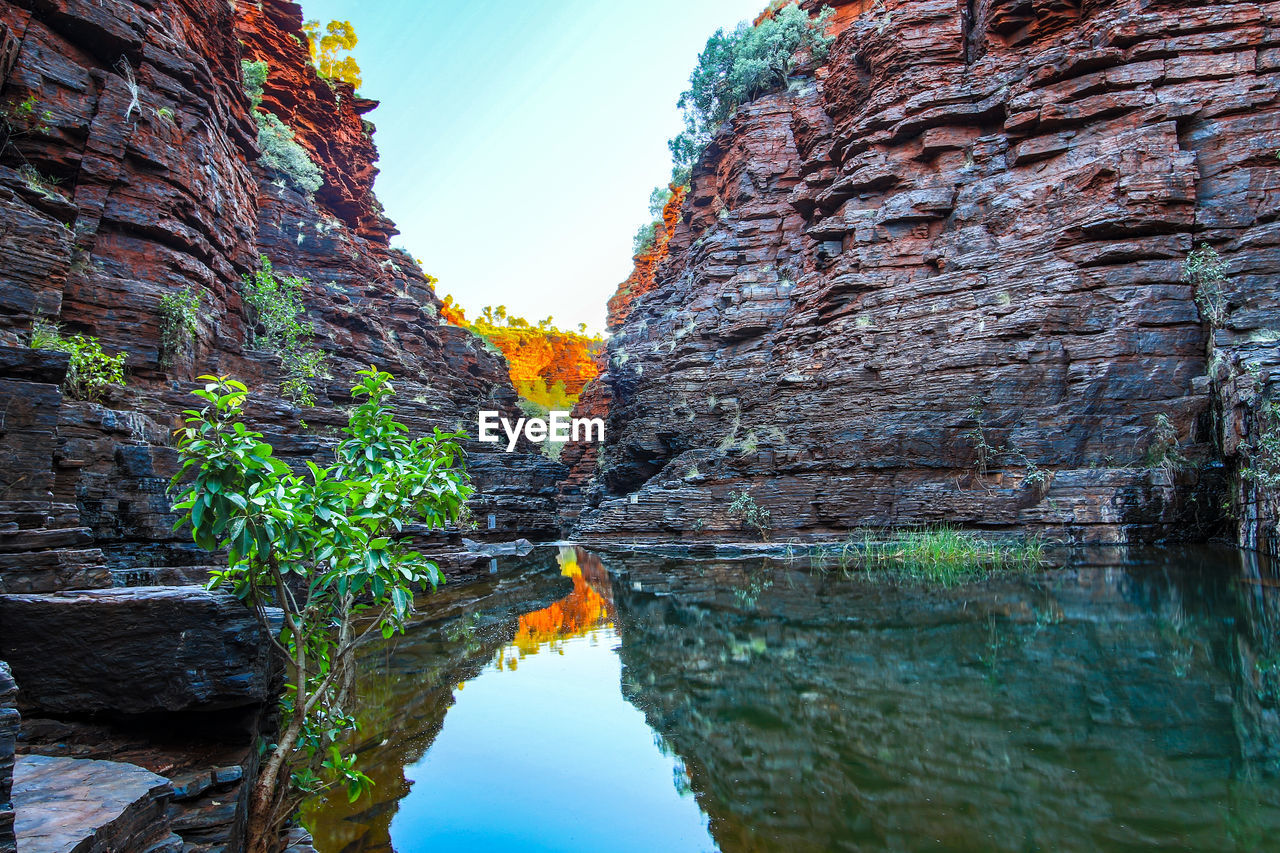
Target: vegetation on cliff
(281, 153)
(278, 323)
(91, 372)
(327, 51)
(179, 322)
(549, 366)
(733, 69)
(326, 550)
(739, 66)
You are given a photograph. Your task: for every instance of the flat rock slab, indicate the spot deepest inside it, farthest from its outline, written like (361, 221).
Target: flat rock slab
(79, 805)
(133, 651)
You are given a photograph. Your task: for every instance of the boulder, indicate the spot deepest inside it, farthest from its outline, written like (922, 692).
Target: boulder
(91, 806)
(134, 651)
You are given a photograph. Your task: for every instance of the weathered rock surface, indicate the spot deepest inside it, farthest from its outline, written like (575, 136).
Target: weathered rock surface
(134, 176)
(74, 805)
(943, 281)
(9, 721)
(134, 651)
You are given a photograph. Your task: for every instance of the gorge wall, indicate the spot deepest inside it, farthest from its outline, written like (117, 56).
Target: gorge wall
(129, 170)
(940, 278)
(138, 177)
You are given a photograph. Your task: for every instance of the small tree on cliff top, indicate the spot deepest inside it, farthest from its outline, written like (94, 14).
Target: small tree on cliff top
(327, 49)
(740, 66)
(326, 548)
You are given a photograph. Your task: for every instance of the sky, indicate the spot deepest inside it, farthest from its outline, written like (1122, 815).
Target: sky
(519, 139)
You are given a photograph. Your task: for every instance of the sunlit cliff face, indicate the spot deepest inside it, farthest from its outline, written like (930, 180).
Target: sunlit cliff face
(643, 277)
(579, 614)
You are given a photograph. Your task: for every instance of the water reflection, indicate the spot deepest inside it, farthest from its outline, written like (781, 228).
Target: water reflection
(587, 608)
(1127, 701)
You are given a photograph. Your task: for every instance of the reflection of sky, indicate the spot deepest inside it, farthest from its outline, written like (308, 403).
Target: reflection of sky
(548, 757)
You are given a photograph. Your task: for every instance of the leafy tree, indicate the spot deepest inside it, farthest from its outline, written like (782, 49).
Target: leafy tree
(327, 548)
(740, 66)
(327, 50)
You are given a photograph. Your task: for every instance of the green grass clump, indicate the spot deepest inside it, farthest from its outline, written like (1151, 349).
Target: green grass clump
(941, 554)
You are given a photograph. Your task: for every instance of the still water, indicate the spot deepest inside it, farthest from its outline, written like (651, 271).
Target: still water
(574, 701)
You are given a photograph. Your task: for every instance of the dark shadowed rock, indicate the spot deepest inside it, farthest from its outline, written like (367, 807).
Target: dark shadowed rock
(133, 651)
(9, 721)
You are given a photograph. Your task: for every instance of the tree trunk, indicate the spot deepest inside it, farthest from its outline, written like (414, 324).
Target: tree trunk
(262, 829)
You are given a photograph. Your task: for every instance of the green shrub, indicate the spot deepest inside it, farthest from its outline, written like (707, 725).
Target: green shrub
(253, 76)
(90, 372)
(320, 559)
(645, 238)
(1263, 451)
(284, 156)
(1206, 272)
(179, 320)
(275, 305)
(751, 515)
(738, 67)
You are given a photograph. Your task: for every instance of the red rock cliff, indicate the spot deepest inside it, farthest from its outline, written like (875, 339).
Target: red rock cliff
(134, 174)
(943, 282)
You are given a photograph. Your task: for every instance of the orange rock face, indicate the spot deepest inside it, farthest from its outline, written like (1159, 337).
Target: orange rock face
(326, 115)
(644, 276)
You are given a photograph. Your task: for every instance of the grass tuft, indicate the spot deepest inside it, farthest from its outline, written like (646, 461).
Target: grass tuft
(941, 554)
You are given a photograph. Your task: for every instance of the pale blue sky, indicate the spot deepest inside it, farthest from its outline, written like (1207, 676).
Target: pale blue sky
(519, 140)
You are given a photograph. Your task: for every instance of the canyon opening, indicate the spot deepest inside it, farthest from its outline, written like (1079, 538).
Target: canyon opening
(689, 425)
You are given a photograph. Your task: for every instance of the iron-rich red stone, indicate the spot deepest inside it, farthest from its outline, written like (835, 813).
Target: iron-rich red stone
(963, 223)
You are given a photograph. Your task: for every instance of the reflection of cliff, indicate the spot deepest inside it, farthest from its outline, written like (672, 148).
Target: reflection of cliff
(409, 685)
(1086, 709)
(588, 607)
(1256, 653)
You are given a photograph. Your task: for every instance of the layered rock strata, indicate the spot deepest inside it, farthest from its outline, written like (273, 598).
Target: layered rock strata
(942, 280)
(128, 172)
